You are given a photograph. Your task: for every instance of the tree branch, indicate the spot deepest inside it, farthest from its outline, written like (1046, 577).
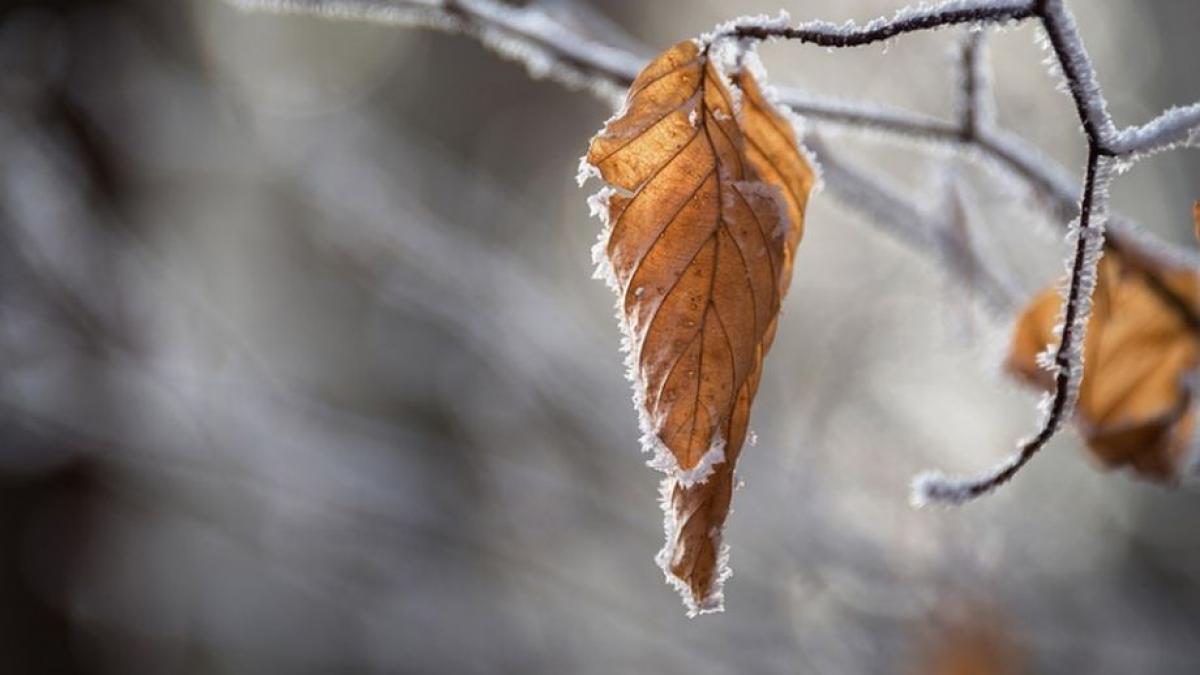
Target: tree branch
(907, 20)
(975, 108)
(1068, 357)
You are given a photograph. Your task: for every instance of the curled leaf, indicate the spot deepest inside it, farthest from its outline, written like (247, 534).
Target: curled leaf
(1139, 356)
(704, 209)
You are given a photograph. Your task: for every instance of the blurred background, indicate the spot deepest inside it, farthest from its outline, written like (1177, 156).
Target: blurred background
(302, 369)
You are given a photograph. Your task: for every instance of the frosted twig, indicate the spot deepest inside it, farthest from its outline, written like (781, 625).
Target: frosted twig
(524, 34)
(1068, 357)
(869, 116)
(908, 20)
(1177, 126)
(975, 107)
(900, 217)
(1076, 67)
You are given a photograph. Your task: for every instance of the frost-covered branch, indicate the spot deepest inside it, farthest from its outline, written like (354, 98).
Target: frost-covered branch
(975, 108)
(549, 48)
(908, 20)
(1174, 127)
(529, 35)
(1068, 357)
(900, 217)
(1076, 67)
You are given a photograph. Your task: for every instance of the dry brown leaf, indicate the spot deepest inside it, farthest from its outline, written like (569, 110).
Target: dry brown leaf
(1134, 402)
(705, 204)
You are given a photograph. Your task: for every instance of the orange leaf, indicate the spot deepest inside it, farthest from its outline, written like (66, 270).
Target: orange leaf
(1134, 404)
(704, 211)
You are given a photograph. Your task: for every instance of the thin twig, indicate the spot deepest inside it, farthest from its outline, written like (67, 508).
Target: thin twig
(900, 217)
(975, 104)
(936, 488)
(909, 20)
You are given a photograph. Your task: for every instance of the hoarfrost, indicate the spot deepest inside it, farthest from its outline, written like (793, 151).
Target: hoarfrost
(664, 460)
(1173, 128)
(661, 456)
(763, 21)
(715, 600)
(1074, 61)
(585, 172)
(528, 35)
(936, 488)
(1068, 358)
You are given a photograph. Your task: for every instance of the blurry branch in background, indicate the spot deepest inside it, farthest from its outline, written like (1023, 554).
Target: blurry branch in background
(550, 48)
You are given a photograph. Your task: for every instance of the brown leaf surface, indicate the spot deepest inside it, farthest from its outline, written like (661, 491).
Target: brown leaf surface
(1134, 402)
(705, 209)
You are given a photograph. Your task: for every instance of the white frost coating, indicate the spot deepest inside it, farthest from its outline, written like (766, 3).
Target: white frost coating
(1175, 127)
(725, 57)
(754, 65)
(864, 116)
(715, 600)
(664, 460)
(936, 487)
(661, 458)
(548, 48)
(1076, 62)
(1093, 251)
(764, 21)
(1045, 358)
(586, 171)
(416, 13)
(850, 28)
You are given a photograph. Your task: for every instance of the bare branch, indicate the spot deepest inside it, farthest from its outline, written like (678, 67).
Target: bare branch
(546, 47)
(899, 217)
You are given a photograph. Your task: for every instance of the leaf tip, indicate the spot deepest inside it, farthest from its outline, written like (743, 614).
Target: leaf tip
(709, 598)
